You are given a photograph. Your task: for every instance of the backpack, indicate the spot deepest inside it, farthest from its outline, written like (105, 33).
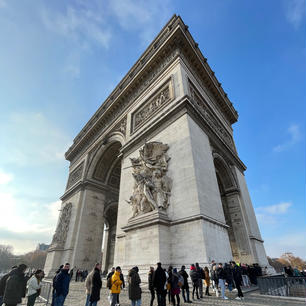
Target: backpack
(180, 281)
(109, 283)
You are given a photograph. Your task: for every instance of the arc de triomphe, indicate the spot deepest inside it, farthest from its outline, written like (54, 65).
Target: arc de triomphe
(155, 174)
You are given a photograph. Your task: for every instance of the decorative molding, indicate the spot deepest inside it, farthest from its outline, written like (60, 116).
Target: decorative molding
(120, 127)
(107, 118)
(75, 175)
(158, 99)
(60, 236)
(211, 120)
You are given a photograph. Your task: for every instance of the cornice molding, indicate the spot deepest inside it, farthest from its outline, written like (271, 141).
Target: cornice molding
(174, 40)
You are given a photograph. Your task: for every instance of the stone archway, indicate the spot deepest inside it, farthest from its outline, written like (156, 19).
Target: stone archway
(230, 198)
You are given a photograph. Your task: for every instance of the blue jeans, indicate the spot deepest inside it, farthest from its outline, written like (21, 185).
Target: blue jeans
(222, 286)
(136, 302)
(59, 300)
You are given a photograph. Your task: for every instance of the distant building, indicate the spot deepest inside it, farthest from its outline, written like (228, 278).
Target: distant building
(42, 247)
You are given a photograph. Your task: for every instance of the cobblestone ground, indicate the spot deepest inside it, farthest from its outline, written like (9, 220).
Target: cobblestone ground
(77, 297)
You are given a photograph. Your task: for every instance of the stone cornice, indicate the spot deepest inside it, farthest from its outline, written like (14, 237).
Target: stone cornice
(174, 40)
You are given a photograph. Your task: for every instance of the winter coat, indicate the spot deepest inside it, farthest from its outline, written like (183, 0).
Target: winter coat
(88, 282)
(96, 286)
(116, 282)
(15, 287)
(206, 279)
(194, 276)
(134, 288)
(214, 276)
(122, 279)
(3, 282)
(221, 273)
(185, 276)
(61, 283)
(150, 280)
(159, 279)
(174, 279)
(33, 285)
(229, 274)
(237, 275)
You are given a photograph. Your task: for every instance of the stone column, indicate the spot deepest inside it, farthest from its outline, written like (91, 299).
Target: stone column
(240, 241)
(87, 244)
(105, 249)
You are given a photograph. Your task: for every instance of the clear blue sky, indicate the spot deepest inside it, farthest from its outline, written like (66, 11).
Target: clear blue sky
(59, 60)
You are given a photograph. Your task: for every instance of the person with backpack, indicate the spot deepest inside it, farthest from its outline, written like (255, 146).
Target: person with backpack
(115, 286)
(175, 280)
(195, 281)
(134, 287)
(185, 287)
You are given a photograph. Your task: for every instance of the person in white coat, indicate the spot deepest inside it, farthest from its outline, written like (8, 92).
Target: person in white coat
(34, 287)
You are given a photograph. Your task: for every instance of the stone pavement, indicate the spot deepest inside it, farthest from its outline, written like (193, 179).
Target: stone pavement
(77, 297)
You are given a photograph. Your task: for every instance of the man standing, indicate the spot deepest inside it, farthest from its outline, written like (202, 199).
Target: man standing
(185, 287)
(159, 282)
(151, 286)
(3, 283)
(96, 285)
(15, 287)
(201, 277)
(61, 285)
(238, 279)
(222, 277)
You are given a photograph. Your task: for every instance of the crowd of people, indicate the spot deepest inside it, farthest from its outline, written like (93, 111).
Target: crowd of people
(163, 284)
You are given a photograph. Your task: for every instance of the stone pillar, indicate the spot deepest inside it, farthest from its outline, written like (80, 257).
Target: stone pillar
(105, 249)
(240, 241)
(89, 234)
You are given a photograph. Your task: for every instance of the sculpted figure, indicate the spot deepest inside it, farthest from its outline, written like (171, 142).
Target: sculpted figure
(60, 235)
(152, 188)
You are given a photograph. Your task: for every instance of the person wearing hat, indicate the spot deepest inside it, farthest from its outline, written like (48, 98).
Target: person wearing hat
(134, 287)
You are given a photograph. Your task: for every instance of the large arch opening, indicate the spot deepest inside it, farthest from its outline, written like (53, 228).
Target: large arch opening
(107, 172)
(227, 185)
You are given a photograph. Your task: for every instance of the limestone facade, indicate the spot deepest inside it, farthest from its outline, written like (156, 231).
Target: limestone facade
(172, 97)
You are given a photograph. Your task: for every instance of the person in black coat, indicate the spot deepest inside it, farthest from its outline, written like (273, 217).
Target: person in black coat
(61, 285)
(159, 282)
(194, 275)
(150, 285)
(238, 279)
(185, 288)
(134, 286)
(229, 276)
(15, 287)
(96, 285)
(3, 283)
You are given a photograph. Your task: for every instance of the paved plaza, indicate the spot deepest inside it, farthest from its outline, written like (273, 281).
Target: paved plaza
(77, 297)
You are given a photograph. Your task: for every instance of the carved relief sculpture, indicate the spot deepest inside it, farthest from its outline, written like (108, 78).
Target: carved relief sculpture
(60, 235)
(152, 188)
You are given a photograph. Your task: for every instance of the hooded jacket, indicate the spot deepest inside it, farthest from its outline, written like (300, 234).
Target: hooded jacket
(116, 282)
(134, 285)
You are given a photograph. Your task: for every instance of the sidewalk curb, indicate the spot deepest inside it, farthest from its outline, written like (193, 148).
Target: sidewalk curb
(290, 298)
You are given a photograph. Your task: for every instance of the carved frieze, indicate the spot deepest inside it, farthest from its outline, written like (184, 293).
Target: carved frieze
(121, 127)
(107, 118)
(60, 236)
(75, 175)
(150, 107)
(210, 118)
(152, 186)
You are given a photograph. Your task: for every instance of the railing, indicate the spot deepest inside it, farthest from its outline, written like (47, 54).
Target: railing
(45, 296)
(282, 286)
